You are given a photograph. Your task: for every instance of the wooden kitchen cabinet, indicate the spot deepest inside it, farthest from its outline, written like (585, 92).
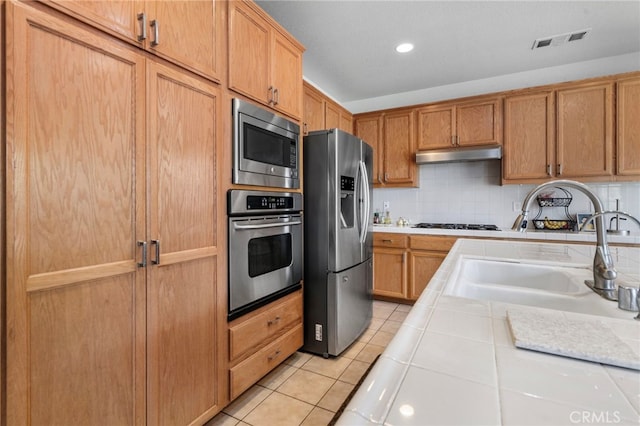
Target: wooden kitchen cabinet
(320, 112)
(628, 124)
(390, 265)
(585, 131)
(368, 127)
(399, 149)
(425, 257)
(392, 136)
(187, 33)
(469, 123)
(117, 337)
(261, 340)
(265, 63)
(529, 137)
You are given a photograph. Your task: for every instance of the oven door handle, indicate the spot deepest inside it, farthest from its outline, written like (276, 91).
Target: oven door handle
(265, 225)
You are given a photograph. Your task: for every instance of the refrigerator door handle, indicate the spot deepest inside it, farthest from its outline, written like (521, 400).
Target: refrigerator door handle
(364, 212)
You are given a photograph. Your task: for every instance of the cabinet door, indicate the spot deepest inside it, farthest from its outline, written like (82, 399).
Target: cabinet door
(75, 210)
(119, 18)
(628, 142)
(399, 162)
(422, 267)
(369, 129)
(436, 127)
(313, 110)
(188, 33)
(346, 122)
(331, 116)
(529, 137)
(249, 53)
(286, 72)
(390, 272)
(585, 129)
(479, 123)
(182, 331)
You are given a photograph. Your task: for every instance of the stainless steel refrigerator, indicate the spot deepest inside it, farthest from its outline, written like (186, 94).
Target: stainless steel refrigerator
(338, 240)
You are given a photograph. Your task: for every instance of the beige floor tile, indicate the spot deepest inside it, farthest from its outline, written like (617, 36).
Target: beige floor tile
(277, 376)
(403, 308)
(280, 410)
(381, 338)
(382, 312)
(330, 367)
(390, 326)
(369, 353)
(306, 386)
(354, 372)
(353, 350)
(318, 417)
(247, 402)
(298, 359)
(222, 419)
(334, 398)
(366, 336)
(375, 324)
(398, 316)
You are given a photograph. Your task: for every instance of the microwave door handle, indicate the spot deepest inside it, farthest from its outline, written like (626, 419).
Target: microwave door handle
(265, 225)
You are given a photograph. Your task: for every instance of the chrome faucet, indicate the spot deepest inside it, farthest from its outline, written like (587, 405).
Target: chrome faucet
(604, 273)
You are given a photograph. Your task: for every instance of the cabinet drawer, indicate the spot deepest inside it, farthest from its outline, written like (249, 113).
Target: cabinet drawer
(389, 240)
(263, 327)
(249, 371)
(429, 242)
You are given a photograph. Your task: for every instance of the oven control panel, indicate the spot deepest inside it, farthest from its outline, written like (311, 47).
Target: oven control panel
(244, 202)
(267, 202)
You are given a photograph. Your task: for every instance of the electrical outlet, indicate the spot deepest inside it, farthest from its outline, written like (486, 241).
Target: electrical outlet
(516, 206)
(385, 205)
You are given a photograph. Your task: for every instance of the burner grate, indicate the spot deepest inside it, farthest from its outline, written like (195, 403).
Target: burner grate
(458, 226)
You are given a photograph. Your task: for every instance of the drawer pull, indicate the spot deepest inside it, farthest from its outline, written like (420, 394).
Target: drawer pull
(274, 356)
(276, 320)
(387, 241)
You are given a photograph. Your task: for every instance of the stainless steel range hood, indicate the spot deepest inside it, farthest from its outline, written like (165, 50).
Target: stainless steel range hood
(450, 155)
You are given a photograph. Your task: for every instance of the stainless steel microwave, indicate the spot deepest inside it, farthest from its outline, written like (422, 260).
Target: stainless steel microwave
(266, 148)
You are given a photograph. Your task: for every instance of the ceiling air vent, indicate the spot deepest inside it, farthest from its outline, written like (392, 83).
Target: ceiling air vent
(559, 39)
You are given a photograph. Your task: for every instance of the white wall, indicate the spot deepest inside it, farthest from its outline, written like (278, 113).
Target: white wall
(471, 193)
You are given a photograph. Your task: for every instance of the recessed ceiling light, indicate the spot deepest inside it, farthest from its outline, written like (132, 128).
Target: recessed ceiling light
(404, 47)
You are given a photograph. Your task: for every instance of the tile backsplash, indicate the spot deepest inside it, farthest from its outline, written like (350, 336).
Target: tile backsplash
(470, 192)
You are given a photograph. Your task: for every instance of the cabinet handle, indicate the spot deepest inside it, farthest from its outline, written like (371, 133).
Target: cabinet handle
(274, 356)
(142, 18)
(156, 261)
(387, 241)
(273, 321)
(386, 177)
(143, 244)
(276, 96)
(560, 169)
(270, 97)
(548, 169)
(305, 129)
(453, 140)
(156, 32)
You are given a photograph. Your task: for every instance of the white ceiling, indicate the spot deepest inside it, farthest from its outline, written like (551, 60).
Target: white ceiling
(350, 44)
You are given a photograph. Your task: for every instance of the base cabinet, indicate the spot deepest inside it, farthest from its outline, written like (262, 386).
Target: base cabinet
(404, 264)
(262, 340)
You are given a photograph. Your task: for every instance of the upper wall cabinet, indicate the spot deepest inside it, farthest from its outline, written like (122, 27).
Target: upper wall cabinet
(392, 137)
(461, 124)
(187, 33)
(321, 112)
(265, 63)
(529, 137)
(585, 131)
(628, 135)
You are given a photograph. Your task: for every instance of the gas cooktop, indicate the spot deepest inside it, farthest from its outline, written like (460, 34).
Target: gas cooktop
(462, 226)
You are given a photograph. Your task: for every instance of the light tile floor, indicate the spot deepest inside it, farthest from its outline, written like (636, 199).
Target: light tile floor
(308, 389)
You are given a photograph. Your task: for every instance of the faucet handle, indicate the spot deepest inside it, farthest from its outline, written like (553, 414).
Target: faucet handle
(628, 298)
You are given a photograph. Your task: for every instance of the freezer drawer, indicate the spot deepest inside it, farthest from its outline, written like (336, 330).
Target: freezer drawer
(350, 305)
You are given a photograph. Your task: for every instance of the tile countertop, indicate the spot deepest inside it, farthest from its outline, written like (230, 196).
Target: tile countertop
(633, 238)
(453, 360)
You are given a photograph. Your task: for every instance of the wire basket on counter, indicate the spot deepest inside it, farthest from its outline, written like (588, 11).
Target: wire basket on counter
(566, 224)
(554, 224)
(556, 202)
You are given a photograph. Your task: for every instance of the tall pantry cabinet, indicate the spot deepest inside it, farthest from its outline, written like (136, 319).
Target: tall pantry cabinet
(112, 307)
